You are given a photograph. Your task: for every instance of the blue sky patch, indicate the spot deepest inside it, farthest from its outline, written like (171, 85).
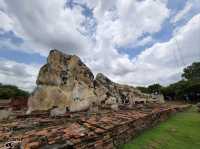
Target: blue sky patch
(164, 35)
(22, 57)
(10, 35)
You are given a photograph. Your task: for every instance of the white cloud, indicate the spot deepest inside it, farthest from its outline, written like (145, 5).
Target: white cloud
(121, 24)
(144, 41)
(182, 13)
(162, 63)
(125, 21)
(191, 7)
(48, 24)
(185, 42)
(44, 25)
(22, 75)
(6, 23)
(159, 63)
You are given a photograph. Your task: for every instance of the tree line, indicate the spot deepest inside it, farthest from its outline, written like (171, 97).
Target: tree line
(187, 89)
(11, 91)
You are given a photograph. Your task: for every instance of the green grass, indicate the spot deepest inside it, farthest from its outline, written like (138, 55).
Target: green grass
(181, 131)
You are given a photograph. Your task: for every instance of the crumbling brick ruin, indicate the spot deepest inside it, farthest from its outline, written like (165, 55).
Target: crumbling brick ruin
(66, 82)
(71, 109)
(14, 103)
(82, 130)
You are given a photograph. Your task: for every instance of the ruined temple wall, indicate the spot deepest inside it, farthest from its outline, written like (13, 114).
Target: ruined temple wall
(121, 134)
(107, 90)
(82, 131)
(66, 82)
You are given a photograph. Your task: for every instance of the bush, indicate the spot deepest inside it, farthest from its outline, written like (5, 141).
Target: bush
(10, 91)
(187, 89)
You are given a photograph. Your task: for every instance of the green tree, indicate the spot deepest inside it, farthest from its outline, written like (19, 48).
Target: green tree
(155, 88)
(151, 88)
(187, 89)
(9, 91)
(143, 89)
(192, 72)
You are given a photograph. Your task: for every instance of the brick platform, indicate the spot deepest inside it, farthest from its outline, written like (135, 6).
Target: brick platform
(106, 129)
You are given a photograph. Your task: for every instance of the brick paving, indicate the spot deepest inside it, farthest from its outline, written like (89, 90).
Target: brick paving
(83, 130)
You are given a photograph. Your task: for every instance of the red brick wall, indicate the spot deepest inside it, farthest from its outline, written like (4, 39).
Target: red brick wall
(19, 103)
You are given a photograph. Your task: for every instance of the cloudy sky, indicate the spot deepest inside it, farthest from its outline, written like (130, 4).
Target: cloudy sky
(136, 42)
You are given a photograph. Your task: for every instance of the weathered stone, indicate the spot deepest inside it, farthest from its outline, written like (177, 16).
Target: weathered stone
(63, 81)
(66, 82)
(114, 107)
(77, 105)
(57, 112)
(105, 89)
(63, 69)
(111, 93)
(5, 114)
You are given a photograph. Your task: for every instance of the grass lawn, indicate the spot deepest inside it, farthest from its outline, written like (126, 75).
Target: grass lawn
(181, 131)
